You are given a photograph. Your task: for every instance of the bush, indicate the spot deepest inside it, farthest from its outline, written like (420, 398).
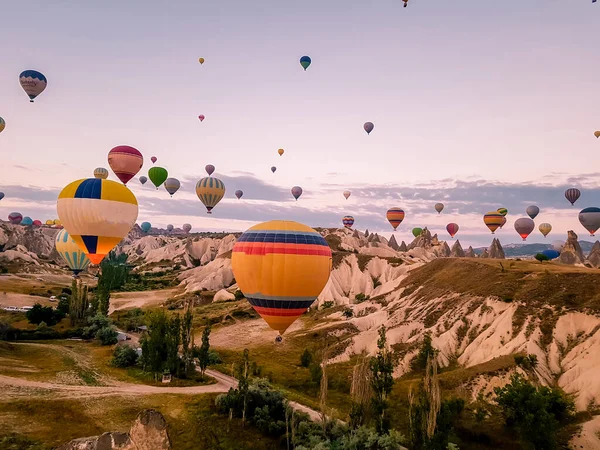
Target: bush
(40, 313)
(327, 305)
(306, 358)
(107, 336)
(427, 351)
(316, 373)
(214, 358)
(239, 295)
(528, 362)
(360, 297)
(124, 356)
(348, 313)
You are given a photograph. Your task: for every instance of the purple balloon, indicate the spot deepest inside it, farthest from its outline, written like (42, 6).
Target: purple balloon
(296, 192)
(209, 169)
(572, 195)
(239, 194)
(273, 169)
(368, 126)
(524, 226)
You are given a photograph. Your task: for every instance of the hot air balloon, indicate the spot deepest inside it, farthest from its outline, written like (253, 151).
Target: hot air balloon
(154, 159)
(348, 221)
(145, 226)
(49, 222)
(2, 124)
(201, 60)
(405, 3)
(590, 219)
(439, 207)
(186, 227)
(524, 226)
(15, 218)
(169, 228)
(493, 220)
(1, 195)
(503, 211)
(597, 134)
(281, 151)
(452, 229)
(101, 173)
(551, 254)
(27, 221)
(239, 194)
(273, 169)
(503, 222)
(37, 223)
(172, 185)
(545, 228)
(532, 211)
(143, 179)
(416, 232)
(68, 249)
(157, 175)
(347, 194)
(572, 195)
(210, 191)
(33, 83)
(98, 214)
(305, 62)
(201, 117)
(125, 162)
(57, 222)
(368, 126)
(209, 169)
(395, 216)
(296, 192)
(281, 267)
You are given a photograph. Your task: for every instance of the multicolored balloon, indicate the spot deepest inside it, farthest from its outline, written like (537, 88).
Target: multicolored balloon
(210, 191)
(70, 252)
(503, 222)
(590, 219)
(145, 226)
(572, 195)
(2, 124)
(101, 173)
(169, 228)
(239, 194)
(452, 229)
(210, 169)
(305, 61)
(172, 185)
(416, 232)
(503, 211)
(158, 175)
(186, 228)
(493, 220)
(439, 207)
(125, 162)
(296, 192)
(368, 126)
(395, 216)
(33, 83)
(27, 221)
(347, 194)
(15, 218)
(154, 159)
(532, 211)
(281, 267)
(281, 151)
(98, 214)
(545, 228)
(273, 169)
(143, 180)
(201, 117)
(348, 221)
(524, 226)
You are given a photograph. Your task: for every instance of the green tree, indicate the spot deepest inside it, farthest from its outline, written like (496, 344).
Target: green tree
(243, 377)
(541, 258)
(160, 345)
(124, 356)
(306, 358)
(63, 306)
(40, 313)
(382, 381)
(425, 353)
(187, 338)
(107, 336)
(203, 353)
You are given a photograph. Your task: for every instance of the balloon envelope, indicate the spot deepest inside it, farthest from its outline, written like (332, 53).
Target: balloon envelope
(201, 117)
(37, 223)
(158, 175)
(493, 220)
(348, 221)
(154, 159)
(143, 179)
(532, 211)
(452, 229)
(170, 228)
(210, 191)
(524, 226)
(70, 252)
(2, 124)
(1, 195)
(545, 228)
(281, 267)
(503, 222)
(201, 60)
(395, 216)
(281, 151)
(27, 221)
(368, 126)
(98, 214)
(551, 253)
(572, 195)
(590, 219)
(172, 185)
(503, 211)
(417, 231)
(101, 173)
(15, 218)
(296, 192)
(305, 61)
(239, 193)
(439, 207)
(33, 83)
(125, 162)
(209, 169)
(145, 226)
(597, 134)
(273, 169)
(347, 194)
(186, 227)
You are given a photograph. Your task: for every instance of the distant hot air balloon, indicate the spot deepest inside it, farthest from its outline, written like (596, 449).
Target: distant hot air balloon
(532, 211)
(545, 228)
(524, 226)
(305, 62)
(296, 192)
(439, 207)
(145, 226)
(143, 179)
(572, 195)
(416, 232)
(37, 223)
(1, 195)
(125, 162)
(239, 194)
(597, 134)
(172, 185)
(154, 159)
(281, 151)
(395, 216)
(57, 222)
(551, 254)
(49, 222)
(2, 124)
(70, 252)
(493, 220)
(186, 227)
(368, 126)
(281, 267)
(33, 83)
(273, 169)
(169, 228)
(209, 169)
(503, 222)
(201, 60)
(210, 191)
(503, 211)
(27, 221)
(347, 194)
(405, 3)
(201, 117)
(590, 219)
(348, 221)
(157, 175)
(98, 214)
(15, 218)
(452, 229)
(101, 173)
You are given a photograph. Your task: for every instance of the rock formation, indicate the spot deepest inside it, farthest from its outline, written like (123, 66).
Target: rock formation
(443, 251)
(457, 250)
(485, 253)
(367, 233)
(594, 256)
(356, 234)
(422, 241)
(495, 250)
(148, 432)
(403, 247)
(223, 296)
(571, 252)
(393, 243)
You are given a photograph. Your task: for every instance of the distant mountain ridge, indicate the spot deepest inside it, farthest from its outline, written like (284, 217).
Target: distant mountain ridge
(517, 250)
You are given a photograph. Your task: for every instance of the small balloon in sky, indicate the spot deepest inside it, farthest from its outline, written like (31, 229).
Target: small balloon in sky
(368, 126)
(239, 193)
(33, 83)
(154, 159)
(597, 134)
(125, 162)
(209, 169)
(347, 194)
(201, 60)
(296, 192)
(201, 117)
(273, 169)
(305, 61)
(2, 124)
(281, 151)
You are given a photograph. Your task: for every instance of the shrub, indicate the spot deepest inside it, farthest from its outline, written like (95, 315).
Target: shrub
(40, 313)
(124, 356)
(327, 305)
(360, 297)
(107, 336)
(239, 295)
(306, 358)
(427, 351)
(541, 257)
(348, 313)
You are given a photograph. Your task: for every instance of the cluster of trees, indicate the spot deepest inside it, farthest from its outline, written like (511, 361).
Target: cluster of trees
(46, 314)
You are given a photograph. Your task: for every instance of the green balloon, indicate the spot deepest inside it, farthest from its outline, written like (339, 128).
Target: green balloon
(157, 175)
(417, 232)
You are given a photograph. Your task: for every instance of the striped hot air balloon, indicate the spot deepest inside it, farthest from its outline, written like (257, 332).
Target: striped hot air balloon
(395, 216)
(68, 249)
(210, 191)
(452, 229)
(348, 221)
(101, 173)
(97, 214)
(172, 185)
(15, 218)
(545, 228)
(590, 219)
(503, 222)
(503, 211)
(493, 220)
(572, 195)
(281, 267)
(125, 162)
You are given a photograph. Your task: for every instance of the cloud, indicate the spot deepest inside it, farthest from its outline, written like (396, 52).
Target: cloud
(30, 193)
(254, 188)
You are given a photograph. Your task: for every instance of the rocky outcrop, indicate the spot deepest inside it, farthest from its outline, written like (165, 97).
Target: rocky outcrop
(594, 256)
(442, 251)
(485, 253)
(470, 253)
(457, 250)
(223, 296)
(571, 252)
(403, 247)
(148, 432)
(356, 234)
(367, 233)
(422, 241)
(38, 240)
(495, 251)
(393, 243)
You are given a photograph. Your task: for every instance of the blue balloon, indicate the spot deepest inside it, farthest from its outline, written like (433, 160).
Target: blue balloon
(551, 253)
(145, 226)
(305, 62)
(28, 221)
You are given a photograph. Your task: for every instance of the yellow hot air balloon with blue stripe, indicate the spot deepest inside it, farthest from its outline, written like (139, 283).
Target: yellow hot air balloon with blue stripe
(68, 249)
(210, 191)
(98, 214)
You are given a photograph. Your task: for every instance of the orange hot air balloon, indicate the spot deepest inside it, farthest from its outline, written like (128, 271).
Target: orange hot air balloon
(125, 162)
(281, 151)
(395, 216)
(493, 220)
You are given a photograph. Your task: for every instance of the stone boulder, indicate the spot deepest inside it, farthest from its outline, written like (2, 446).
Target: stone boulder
(223, 296)
(485, 253)
(571, 252)
(457, 250)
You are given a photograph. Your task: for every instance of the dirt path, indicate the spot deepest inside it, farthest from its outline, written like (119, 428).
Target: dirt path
(128, 300)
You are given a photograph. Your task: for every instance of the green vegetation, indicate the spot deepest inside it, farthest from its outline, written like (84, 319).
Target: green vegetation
(124, 356)
(101, 328)
(203, 353)
(382, 381)
(306, 358)
(160, 344)
(46, 314)
(541, 257)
